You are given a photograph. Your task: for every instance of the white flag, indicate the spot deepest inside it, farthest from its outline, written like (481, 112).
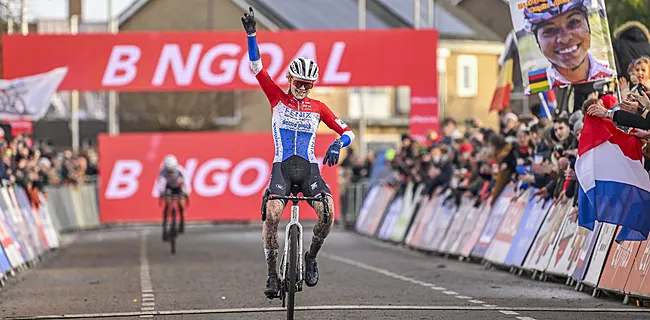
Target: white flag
(29, 97)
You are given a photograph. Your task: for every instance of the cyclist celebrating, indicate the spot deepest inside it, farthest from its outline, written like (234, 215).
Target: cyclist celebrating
(295, 119)
(171, 181)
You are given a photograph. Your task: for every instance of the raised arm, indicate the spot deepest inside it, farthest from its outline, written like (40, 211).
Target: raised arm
(270, 88)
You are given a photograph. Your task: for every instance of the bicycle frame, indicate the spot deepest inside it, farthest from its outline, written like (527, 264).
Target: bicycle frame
(295, 212)
(295, 215)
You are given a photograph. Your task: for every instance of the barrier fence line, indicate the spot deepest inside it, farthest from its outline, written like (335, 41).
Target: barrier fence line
(521, 232)
(31, 222)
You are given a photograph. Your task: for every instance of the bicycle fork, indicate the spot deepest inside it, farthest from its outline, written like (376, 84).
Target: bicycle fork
(293, 221)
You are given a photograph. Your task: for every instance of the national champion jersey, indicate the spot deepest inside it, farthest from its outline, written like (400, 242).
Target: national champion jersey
(294, 122)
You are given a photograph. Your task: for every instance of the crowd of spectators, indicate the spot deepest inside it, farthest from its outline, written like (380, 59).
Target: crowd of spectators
(36, 166)
(526, 150)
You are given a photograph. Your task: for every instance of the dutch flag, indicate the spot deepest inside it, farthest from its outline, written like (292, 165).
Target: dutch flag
(614, 186)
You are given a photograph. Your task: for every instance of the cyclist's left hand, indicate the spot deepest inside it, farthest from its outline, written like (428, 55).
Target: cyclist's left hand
(332, 156)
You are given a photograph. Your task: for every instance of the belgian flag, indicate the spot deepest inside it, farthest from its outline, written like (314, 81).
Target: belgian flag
(505, 83)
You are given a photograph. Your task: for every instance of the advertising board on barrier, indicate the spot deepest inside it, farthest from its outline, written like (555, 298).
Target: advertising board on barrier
(401, 225)
(373, 221)
(503, 239)
(218, 60)
(584, 257)
(597, 263)
(567, 250)
(390, 217)
(364, 211)
(618, 267)
(456, 227)
(497, 214)
(639, 281)
(439, 224)
(18, 224)
(475, 234)
(467, 228)
(542, 249)
(225, 184)
(424, 215)
(9, 239)
(530, 224)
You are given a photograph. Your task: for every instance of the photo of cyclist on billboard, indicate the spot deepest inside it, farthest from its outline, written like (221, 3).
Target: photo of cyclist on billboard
(562, 42)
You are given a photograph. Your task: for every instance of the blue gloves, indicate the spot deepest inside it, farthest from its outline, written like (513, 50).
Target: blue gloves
(332, 156)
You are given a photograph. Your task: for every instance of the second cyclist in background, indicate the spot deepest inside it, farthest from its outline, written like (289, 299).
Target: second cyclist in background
(171, 181)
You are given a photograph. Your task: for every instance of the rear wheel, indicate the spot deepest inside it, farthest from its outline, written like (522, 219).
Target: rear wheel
(291, 273)
(172, 231)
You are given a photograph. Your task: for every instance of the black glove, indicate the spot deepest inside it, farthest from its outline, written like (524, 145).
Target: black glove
(248, 20)
(332, 156)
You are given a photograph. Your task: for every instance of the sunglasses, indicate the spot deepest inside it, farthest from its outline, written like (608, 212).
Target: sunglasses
(299, 83)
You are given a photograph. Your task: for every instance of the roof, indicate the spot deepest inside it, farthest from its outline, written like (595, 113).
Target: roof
(319, 14)
(451, 21)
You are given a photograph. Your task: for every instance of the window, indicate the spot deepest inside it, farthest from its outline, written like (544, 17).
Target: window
(467, 76)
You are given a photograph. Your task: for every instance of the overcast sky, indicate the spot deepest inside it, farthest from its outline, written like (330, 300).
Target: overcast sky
(93, 10)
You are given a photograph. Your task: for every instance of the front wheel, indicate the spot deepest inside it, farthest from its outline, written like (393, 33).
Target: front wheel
(172, 231)
(292, 268)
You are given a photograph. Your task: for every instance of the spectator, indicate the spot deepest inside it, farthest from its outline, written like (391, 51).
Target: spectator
(631, 41)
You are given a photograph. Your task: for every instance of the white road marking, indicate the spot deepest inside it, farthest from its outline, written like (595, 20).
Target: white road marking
(336, 308)
(507, 311)
(510, 313)
(145, 279)
(477, 301)
(438, 288)
(464, 297)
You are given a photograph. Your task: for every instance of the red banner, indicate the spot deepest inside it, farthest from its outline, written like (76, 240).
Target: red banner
(192, 61)
(228, 173)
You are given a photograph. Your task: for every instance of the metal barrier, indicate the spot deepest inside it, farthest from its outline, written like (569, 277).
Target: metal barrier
(74, 207)
(351, 201)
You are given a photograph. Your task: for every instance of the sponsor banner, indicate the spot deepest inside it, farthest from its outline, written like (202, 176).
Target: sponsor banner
(505, 236)
(5, 266)
(460, 218)
(567, 251)
(639, 281)
(595, 268)
(618, 267)
(586, 251)
(548, 58)
(427, 212)
(475, 234)
(227, 174)
(9, 239)
(17, 223)
(403, 221)
(364, 211)
(50, 231)
(33, 220)
(32, 230)
(390, 218)
(211, 60)
(467, 228)
(218, 60)
(379, 208)
(497, 214)
(20, 126)
(542, 249)
(530, 224)
(416, 226)
(428, 229)
(28, 97)
(443, 221)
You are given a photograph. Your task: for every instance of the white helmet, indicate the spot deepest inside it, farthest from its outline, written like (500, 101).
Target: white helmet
(304, 69)
(170, 162)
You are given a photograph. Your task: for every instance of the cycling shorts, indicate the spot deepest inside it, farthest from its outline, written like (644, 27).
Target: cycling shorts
(297, 171)
(177, 191)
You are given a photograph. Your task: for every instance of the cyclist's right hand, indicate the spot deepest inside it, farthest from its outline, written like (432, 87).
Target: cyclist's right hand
(248, 20)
